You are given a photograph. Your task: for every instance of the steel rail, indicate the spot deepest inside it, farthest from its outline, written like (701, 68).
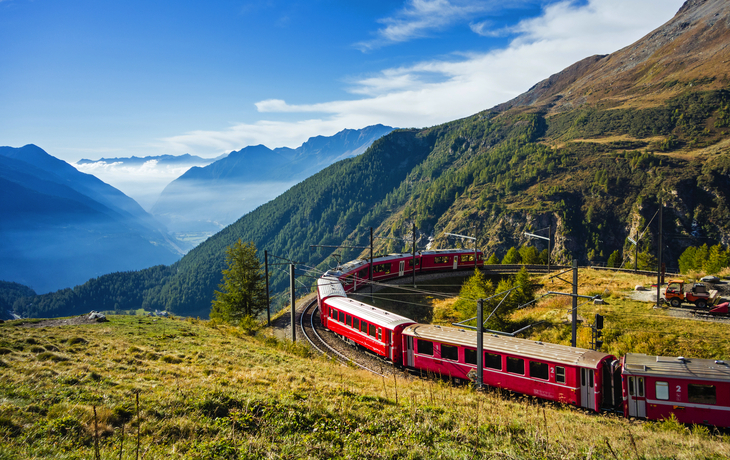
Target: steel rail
(314, 330)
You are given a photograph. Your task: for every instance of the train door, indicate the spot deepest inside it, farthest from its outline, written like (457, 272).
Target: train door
(637, 398)
(456, 261)
(587, 389)
(409, 351)
(401, 267)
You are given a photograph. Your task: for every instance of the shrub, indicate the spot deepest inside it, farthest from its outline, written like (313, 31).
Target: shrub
(77, 341)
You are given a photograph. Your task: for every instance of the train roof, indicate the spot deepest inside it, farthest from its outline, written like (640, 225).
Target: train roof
(369, 313)
(676, 367)
(560, 354)
(329, 286)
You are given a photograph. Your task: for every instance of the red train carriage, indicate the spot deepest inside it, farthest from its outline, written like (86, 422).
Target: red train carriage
(355, 274)
(374, 329)
(449, 259)
(693, 390)
(555, 372)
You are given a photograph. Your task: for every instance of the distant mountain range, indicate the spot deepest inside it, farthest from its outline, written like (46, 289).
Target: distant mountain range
(206, 199)
(173, 160)
(59, 227)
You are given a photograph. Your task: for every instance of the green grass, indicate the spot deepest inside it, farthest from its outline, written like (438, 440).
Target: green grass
(211, 391)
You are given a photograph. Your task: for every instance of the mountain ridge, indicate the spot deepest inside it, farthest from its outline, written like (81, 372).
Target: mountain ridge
(61, 227)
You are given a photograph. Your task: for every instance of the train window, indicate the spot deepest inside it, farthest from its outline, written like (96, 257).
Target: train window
(349, 279)
(539, 370)
(364, 327)
(590, 382)
(342, 317)
(515, 365)
(356, 323)
(348, 320)
(493, 361)
(410, 263)
(333, 313)
(381, 268)
(371, 330)
(662, 390)
(559, 374)
(441, 259)
(470, 356)
(380, 334)
(363, 273)
(701, 394)
(631, 382)
(425, 347)
(467, 257)
(449, 352)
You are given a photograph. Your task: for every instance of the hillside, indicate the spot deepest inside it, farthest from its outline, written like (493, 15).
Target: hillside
(207, 391)
(206, 199)
(592, 168)
(60, 227)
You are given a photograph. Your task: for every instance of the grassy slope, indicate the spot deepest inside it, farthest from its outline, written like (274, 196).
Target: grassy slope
(209, 392)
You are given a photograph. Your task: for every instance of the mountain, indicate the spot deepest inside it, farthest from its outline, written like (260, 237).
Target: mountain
(60, 227)
(591, 161)
(167, 160)
(206, 199)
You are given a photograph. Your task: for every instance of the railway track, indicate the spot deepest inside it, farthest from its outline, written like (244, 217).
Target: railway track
(328, 344)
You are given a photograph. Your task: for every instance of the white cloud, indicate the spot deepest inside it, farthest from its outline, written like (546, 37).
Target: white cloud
(420, 17)
(142, 182)
(436, 91)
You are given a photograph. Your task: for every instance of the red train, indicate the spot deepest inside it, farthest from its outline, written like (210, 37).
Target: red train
(355, 274)
(651, 387)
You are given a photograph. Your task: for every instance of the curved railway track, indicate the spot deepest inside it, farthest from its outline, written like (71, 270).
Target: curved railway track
(329, 344)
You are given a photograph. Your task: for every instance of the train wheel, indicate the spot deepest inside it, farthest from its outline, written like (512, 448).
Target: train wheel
(675, 302)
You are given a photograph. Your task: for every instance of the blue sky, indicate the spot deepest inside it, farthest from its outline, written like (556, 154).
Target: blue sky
(88, 79)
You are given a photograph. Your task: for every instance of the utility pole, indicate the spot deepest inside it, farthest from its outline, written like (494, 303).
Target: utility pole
(659, 261)
(480, 343)
(371, 263)
(574, 315)
(268, 302)
(550, 235)
(293, 299)
(414, 255)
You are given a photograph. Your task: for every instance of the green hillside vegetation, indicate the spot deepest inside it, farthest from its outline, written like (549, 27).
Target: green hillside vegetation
(595, 175)
(208, 391)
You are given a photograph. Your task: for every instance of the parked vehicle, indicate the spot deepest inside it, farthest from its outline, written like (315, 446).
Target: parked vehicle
(697, 294)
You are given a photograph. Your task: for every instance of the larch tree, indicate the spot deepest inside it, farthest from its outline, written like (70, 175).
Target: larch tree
(242, 292)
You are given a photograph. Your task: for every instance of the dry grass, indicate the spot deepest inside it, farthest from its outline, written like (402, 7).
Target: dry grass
(227, 395)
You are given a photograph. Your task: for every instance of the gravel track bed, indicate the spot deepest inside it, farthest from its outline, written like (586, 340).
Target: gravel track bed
(355, 354)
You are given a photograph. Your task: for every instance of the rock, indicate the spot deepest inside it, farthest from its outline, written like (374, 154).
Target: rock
(639, 287)
(98, 317)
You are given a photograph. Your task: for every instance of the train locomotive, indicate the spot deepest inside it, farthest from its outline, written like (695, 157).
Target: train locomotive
(651, 387)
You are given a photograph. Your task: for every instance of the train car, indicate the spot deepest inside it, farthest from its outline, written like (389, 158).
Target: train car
(355, 274)
(555, 372)
(693, 390)
(449, 259)
(327, 287)
(359, 323)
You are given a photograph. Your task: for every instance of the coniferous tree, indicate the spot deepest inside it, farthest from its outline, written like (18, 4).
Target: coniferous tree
(243, 290)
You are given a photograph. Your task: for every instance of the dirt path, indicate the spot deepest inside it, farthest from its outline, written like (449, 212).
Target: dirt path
(281, 326)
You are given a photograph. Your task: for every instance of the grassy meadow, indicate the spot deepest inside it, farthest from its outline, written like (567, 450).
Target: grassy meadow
(208, 391)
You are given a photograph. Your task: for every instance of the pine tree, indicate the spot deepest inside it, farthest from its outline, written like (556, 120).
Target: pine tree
(512, 257)
(242, 294)
(493, 259)
(614, 260)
